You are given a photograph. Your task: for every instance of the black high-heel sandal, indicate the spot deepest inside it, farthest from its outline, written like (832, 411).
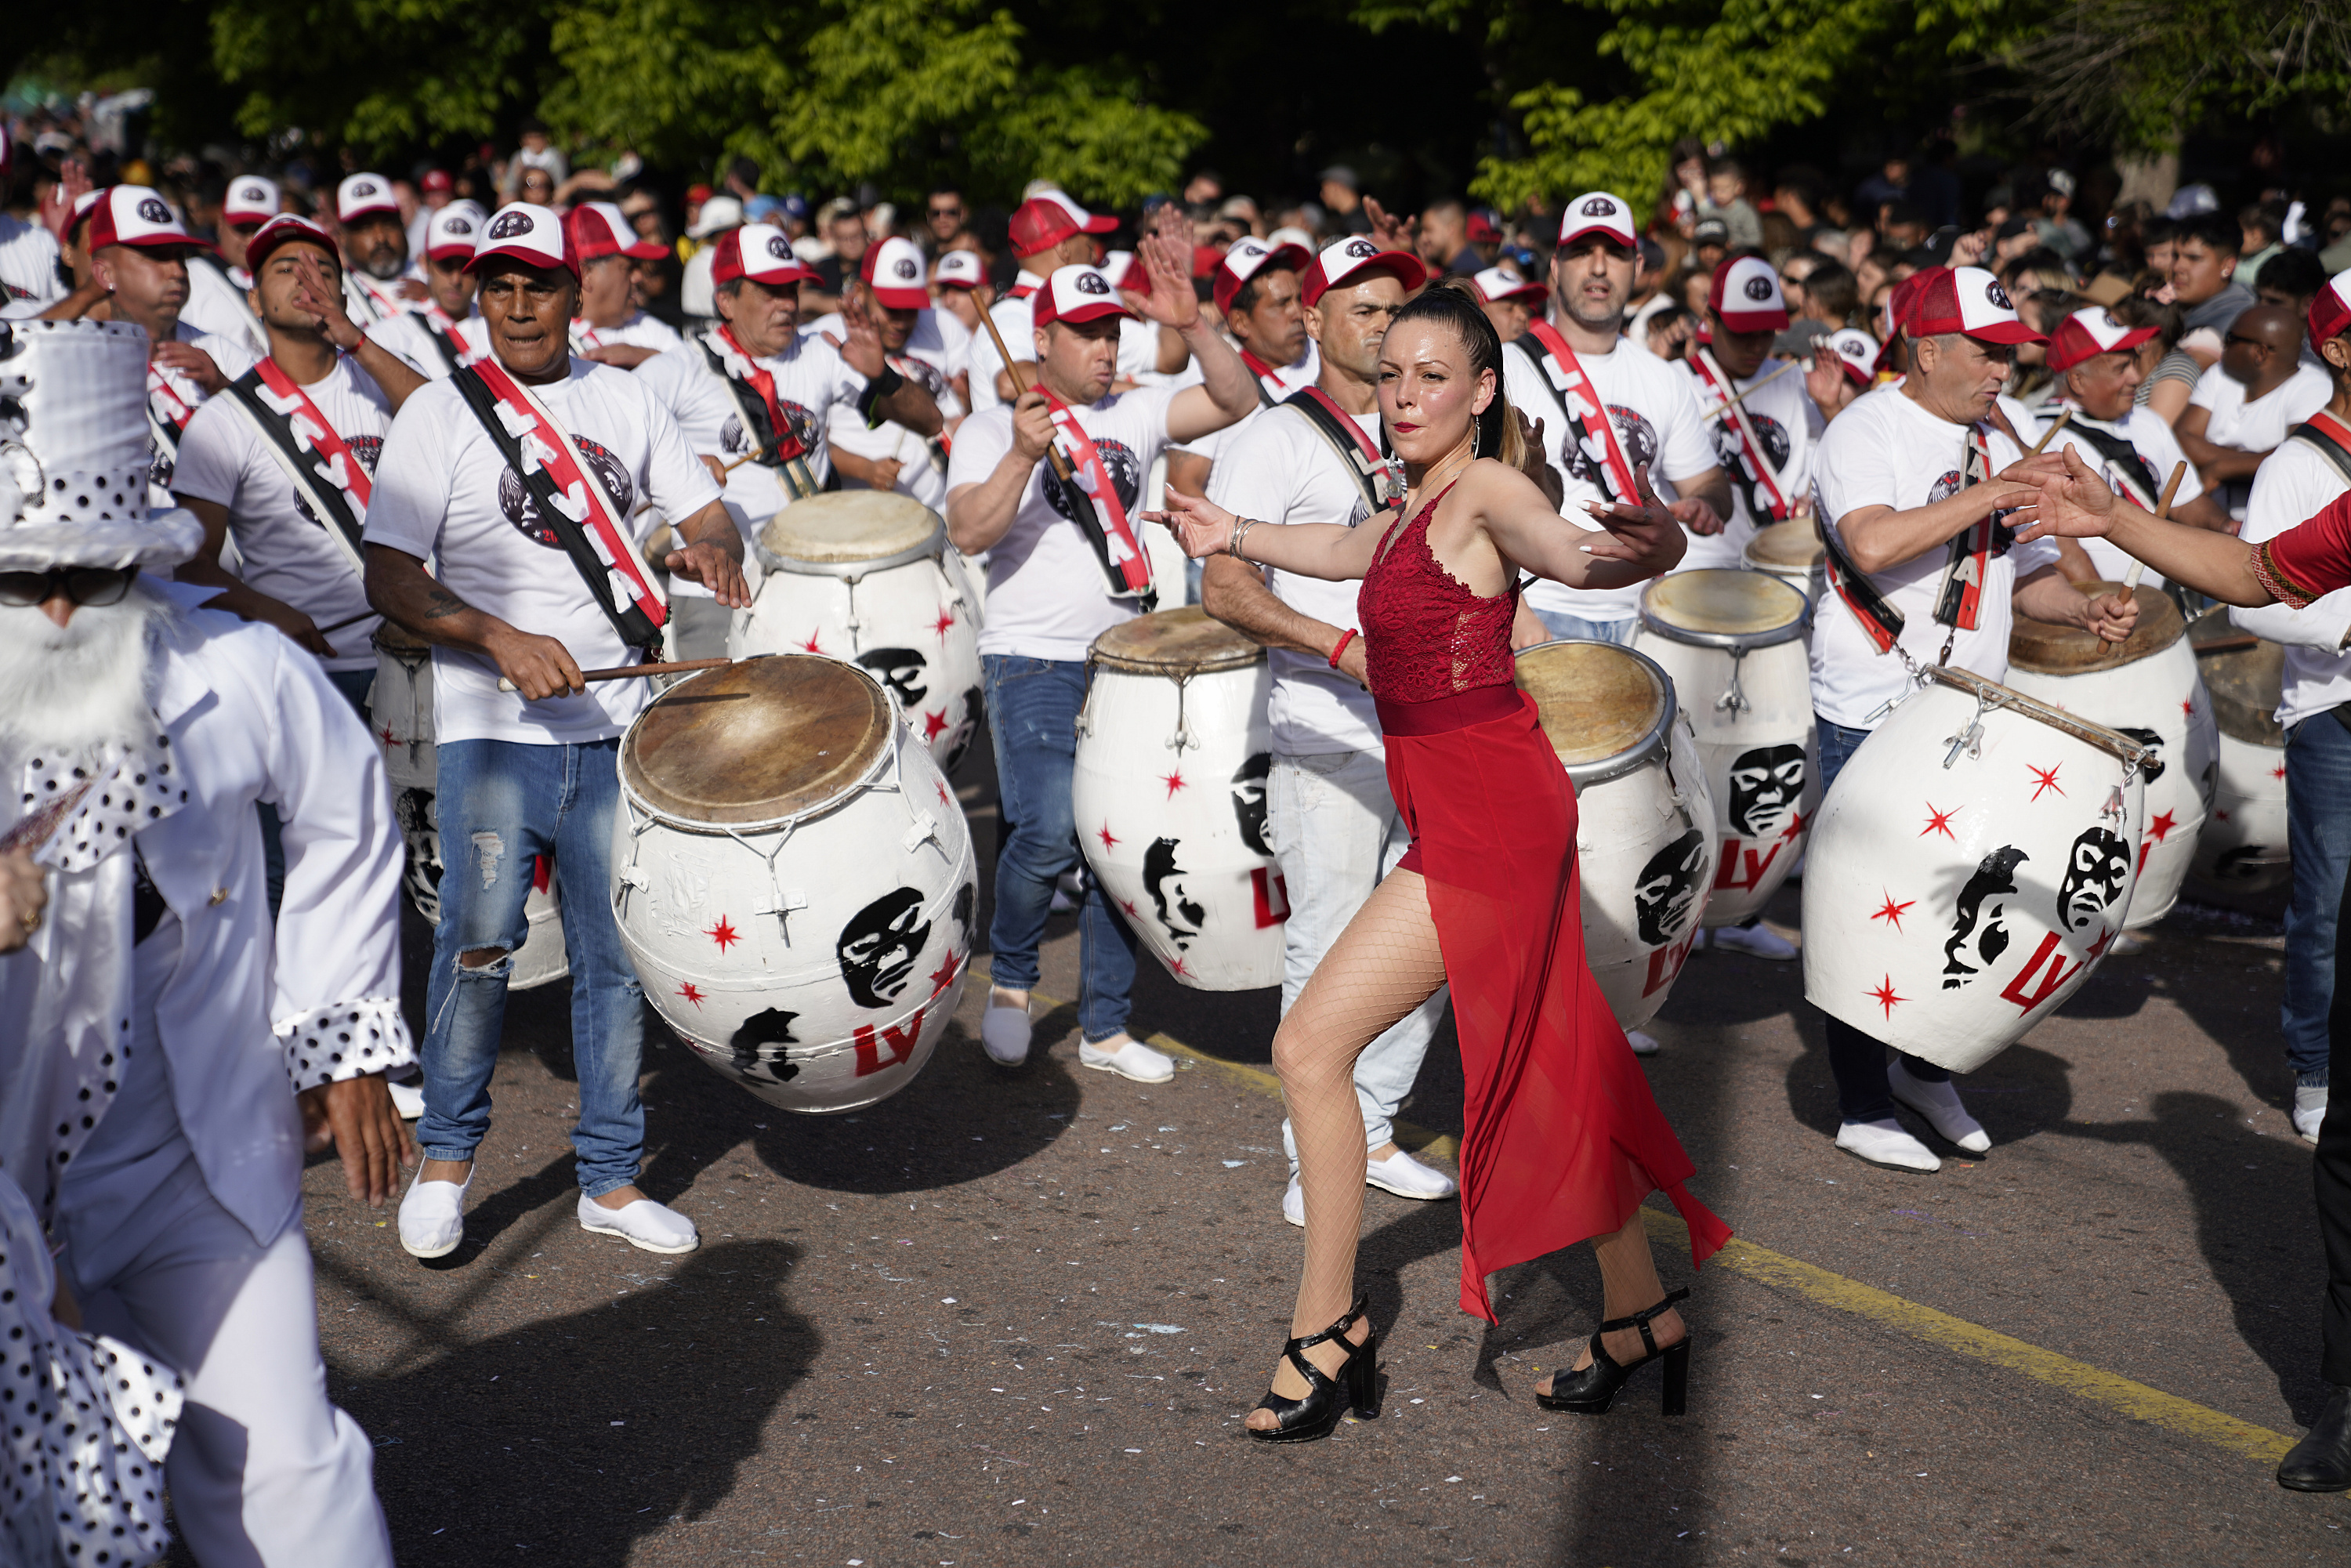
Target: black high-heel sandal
(1327, 1399)
(1590, 1391)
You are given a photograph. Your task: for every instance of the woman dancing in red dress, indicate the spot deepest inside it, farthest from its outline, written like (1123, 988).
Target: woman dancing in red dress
(1562, 1136)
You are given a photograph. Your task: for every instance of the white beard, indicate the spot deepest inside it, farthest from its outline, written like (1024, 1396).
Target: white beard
(86, 688)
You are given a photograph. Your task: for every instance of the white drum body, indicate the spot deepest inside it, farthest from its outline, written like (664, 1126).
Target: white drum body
(402, 703)
(812, 955)
(2243, 847)
(1645, 832)
(1958, 893)
(1169, 794)
(1793, 553)
(868, 576)
(1747, 696)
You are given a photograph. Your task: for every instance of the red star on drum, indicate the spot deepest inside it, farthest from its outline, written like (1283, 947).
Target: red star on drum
(2044, 779)
(2161, 826)
(1939, 821)
(945, 623)
(1884, 995)
(691, 993)
(722, 934)
(933, 723)
(1173, 781)
(1891, 911)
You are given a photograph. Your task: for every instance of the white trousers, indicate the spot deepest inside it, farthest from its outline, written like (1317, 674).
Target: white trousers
(265, 1471)
(1335, 831)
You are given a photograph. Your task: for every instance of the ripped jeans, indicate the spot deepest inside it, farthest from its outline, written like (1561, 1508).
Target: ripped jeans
(501, 805)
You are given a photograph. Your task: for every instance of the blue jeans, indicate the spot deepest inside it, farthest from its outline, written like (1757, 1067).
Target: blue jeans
(1856, 1060)
(502, 804)
(2318, 829)
(1561, 624)
(1032, 713)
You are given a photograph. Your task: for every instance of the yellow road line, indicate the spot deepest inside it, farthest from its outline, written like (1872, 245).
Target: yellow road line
(2136, 1400)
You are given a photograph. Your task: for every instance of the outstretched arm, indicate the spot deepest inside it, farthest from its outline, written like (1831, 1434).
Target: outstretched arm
(2075, 503)
(1631, 545)
(1326, 550)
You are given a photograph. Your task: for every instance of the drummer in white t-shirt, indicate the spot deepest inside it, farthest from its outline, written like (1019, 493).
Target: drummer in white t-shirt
(1764, 441)
(1256, 290)
(1046, 232)
(923, 345)
(610, 328)
(1050, 594)
(378, 281)
(448, 332)
(1907, 485)
(532, 772)
(1330, 820)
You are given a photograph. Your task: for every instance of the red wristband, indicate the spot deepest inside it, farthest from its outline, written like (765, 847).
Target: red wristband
(1344, 638)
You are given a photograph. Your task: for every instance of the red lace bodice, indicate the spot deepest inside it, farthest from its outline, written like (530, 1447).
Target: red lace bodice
(1425, 636)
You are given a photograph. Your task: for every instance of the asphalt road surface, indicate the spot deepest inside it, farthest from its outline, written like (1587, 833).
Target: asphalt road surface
(1016, 1317)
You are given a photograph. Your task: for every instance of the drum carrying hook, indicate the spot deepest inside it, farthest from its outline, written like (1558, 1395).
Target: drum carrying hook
(1971, 737)
(1734, 699)
(1183, 736)
(848, 588)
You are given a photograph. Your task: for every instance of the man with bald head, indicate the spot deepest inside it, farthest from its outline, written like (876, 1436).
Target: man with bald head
(2244, 405)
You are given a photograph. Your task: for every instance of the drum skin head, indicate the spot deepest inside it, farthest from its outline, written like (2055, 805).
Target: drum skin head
(845, 527)
(1722, 601)
(760, 740)
(2048, 650)
(1174, 643)
(1789, 545)
(1597, 700)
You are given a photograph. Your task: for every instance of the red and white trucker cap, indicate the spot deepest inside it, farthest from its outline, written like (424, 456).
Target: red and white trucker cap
(2330, 309)
(251, 200)
(760, 252)
(1246, 258)
(1968, 300)
(2086, 334)
(1745, 296)
(1494, 286)
(599, 229)
(361, 194)
(1042, 222)
(454, 230)
(528, 233)
(1856, 353)
(959, 270)
(1075, 294)
(285, 229)
(134, 215)
(1354, 258)
(893, 270)
(1597, 212)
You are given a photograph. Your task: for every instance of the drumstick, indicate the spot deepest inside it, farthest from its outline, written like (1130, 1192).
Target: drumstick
(1061, 469)
(2162, 509)
(2050, 434)
(625, 671)
(1759, 386)
(740, 461)
(348, 620)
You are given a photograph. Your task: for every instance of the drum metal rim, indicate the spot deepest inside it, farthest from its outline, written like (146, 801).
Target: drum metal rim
(931, 548)
(1992, 694)
(1657, 743)
(1241, 657)
(887, 757)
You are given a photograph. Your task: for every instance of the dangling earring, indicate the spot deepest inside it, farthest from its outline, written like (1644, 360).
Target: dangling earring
(1477, 433)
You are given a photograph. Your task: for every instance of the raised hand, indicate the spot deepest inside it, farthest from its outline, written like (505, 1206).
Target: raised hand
(58, 205)
(1390, 232)
(323, 299)
(1166, 255)
(2069, 501)
(1201, 526)
(1648, 536)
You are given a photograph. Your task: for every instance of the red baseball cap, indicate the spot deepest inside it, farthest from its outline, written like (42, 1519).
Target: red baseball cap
(529, 233)
(1598, 213)
(286, 228)
(1745, 296)
(1247, 258)
(2086, 334)
(1077, 293)
(599, 229)
(251, 200)
(437, 180)
(1354, 258)
(1483, 228)
(2330, 309)
(1494, 286)
(1967, 300)
(893, 270)
(760, 252)
(1042, 222)
(361, 195)
(134, 215)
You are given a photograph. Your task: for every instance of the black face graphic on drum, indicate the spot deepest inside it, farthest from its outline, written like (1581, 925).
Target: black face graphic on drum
(966, 903)
(879, 946)
(420, 826)
(1765, 786)
(1171, 893)
(1125, 477)
(2095, 873)
(1978, 930)
(522, 510)
(972, 700)
(758, 1048)
(1668, 888)
(2151, 768)
(1248, 801)
(900, 669)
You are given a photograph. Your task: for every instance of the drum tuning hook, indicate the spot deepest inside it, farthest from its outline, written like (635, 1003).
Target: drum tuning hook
(1969, 739)
(1734, 700)
(2114, 806)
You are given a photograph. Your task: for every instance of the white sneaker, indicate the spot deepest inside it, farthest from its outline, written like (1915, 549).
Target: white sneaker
(1128, 1057)
(407, 1099)
(643, 1223)
(1939, 1104)
(2309, 1111)
(1642, 1044)
(1886, 1142)
(1407, 1178)
(1755, 941)
(1293, 1203)
(1004, 1033)
(432, 1215)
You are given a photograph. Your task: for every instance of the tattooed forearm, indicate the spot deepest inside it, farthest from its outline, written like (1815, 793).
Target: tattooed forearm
(440, 602)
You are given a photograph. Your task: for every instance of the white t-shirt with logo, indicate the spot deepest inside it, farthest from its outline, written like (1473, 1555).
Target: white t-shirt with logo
(28, 265)
(1885, 450)
(445, 494)
(1048, 597)
(641, 330)
(2152, 439)
(1657, 421)
(1281, 470)
(2293, 485)
(410, 336)
(283, 545)
(173, 397)
(811, 380)
(1786, 422)
(1286, 379)
(938, 349)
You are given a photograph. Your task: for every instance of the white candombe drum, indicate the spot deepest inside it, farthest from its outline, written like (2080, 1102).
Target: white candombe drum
(2148, 689)
(1169, 794)
(1971, 866)
(1732, 641)
(2243, 847)
(1793, 553)
(867, 575)
(402, 703)
(1644, 836)
(793, 881)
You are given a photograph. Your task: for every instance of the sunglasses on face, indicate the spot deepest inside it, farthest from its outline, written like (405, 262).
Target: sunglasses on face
(946, 212)
(81, 585)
